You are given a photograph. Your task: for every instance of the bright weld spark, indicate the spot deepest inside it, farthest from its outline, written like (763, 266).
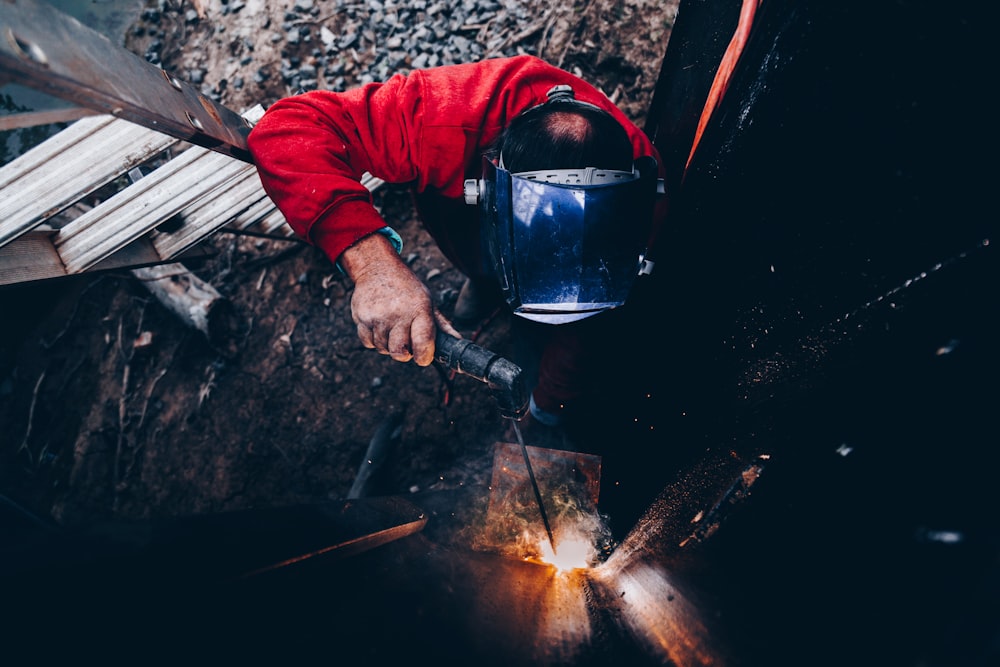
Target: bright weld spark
(574, 554)
(574, 551)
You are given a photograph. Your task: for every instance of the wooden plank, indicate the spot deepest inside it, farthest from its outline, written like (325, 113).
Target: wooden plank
(144, 205)
(53, 147)
(17, 121)
(207, 190)
(253, 214)
(72, 164)
(241, 204)
(32, 256)
(206, 215)
(274, 223)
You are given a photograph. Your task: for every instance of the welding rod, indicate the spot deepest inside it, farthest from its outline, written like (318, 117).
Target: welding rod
(534, 486)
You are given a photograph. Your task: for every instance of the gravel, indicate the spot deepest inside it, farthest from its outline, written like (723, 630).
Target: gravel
(241, 53)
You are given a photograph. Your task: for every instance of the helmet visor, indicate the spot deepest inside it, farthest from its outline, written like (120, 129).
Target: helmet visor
(566, 244)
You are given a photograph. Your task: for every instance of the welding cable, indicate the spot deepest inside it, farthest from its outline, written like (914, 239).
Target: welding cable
(725, 72)
(449, 375)
(715, 94)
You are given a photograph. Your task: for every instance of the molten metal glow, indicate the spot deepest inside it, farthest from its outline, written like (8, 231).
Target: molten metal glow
(574, 551)
(572, 554)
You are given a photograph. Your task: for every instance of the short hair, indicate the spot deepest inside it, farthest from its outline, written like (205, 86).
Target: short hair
(564, 134)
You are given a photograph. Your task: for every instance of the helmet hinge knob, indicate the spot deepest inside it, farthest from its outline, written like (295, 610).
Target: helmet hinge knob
(471, 190)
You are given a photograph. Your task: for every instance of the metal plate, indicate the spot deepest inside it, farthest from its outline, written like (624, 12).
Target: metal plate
(569, 483)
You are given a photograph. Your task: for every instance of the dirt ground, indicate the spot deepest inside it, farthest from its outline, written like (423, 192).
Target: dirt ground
(113, 409)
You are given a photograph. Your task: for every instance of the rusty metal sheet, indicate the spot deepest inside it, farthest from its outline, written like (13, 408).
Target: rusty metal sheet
(553, 465)
(569, 483)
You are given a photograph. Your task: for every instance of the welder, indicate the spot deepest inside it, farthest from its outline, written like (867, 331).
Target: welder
(530, 180)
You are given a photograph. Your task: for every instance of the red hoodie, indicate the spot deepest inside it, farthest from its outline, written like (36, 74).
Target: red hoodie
(428, 129)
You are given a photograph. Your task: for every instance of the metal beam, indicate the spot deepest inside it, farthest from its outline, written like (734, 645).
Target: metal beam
(44, 49)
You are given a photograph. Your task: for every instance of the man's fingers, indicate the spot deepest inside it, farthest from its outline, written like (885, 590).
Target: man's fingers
(422, 332)
(399, 343)
(396, 319)
(377, 337)
(445, 325)
(402, 342)
(365, 336)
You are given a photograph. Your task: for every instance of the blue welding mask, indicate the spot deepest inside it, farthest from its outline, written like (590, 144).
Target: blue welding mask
(565, 244)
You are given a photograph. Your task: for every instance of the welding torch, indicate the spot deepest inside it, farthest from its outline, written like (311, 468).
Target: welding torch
(503, 377)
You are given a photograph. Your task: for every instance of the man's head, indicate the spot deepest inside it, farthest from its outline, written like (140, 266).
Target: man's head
(565, 210)
(562, 134)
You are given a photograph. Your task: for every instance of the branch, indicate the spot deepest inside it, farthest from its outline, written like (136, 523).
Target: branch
(31, 416)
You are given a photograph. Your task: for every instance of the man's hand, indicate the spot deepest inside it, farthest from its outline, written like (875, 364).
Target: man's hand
(391, 306)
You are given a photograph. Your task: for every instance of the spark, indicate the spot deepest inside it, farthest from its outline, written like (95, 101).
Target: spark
(575, 552)
(947, 349)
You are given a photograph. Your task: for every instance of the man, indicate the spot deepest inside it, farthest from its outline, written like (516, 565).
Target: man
(458, 135)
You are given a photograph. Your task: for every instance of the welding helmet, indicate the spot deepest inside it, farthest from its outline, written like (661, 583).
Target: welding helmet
(565, 244)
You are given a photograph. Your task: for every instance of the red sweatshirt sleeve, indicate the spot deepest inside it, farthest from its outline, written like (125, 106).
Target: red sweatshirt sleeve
(427, 129)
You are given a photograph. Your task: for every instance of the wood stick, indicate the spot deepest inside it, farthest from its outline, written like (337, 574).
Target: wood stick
(196, 302)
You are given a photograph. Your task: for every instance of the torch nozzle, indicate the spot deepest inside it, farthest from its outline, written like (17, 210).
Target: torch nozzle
(502, 376)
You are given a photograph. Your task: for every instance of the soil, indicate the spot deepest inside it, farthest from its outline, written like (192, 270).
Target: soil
(114, 409)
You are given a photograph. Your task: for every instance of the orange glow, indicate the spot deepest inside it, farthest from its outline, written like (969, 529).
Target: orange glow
(574, 550)
(656, 613)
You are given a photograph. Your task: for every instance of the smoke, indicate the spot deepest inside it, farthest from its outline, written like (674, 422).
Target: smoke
(514, 526)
